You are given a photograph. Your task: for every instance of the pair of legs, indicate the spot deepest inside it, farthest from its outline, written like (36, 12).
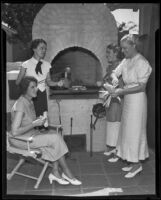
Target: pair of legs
(53, 148)
(113, 117)
(60, 171)
(59, 166)
(112, 131)
(41, 107)
(40, 103)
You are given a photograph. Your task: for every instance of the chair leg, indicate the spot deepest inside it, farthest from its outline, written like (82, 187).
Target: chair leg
(41, 175)
(9, 175)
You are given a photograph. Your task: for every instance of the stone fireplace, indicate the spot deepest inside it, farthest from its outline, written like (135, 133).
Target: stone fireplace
(88, 26)
(77, 36)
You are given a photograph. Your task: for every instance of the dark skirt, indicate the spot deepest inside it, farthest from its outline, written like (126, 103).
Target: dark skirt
(40, 103)
(113, 112)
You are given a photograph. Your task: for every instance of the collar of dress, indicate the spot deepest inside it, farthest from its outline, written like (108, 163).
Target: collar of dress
(35, 61)
(135, 57)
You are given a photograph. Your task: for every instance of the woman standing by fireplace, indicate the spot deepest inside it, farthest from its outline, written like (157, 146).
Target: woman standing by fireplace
(132, 140)
(39, 68)
(113, 112)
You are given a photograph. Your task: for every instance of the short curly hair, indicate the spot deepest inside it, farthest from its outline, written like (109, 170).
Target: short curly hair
(24, 84)
(116, 49)
(34, 43)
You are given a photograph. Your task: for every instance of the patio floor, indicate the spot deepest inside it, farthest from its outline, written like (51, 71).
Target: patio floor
(98, 176)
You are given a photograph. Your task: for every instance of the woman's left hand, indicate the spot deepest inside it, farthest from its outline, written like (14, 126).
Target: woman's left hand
(117, 92)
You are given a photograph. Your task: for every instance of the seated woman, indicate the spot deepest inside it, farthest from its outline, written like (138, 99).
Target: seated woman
(51, 145)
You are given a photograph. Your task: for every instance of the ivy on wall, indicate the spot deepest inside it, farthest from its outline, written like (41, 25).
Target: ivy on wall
(20, 17)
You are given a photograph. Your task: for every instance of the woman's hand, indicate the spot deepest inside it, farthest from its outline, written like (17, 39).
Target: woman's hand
(117, 92)
(60, 83)
(110, 88)
(115, 81)
(99, 83)
(39, 122)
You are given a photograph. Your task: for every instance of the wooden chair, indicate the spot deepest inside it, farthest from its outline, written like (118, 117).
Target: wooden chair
(24, 154)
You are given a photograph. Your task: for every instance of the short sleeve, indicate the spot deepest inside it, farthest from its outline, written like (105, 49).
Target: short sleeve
(18, 106)
(49, 66)
(118, 70)
(143, 71)
(25, 64)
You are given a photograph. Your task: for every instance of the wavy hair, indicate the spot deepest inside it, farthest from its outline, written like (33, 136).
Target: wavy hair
(34, 43)
(116, 49)
(24, 84)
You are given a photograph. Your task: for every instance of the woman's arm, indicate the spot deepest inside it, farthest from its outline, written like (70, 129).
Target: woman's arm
(16, 127)
(115, 80)
(52, 83)
(140, 88)
(20, 75)
(117, 72)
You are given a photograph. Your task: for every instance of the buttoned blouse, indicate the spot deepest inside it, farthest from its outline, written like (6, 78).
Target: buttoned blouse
(30, 66)
(134, 70)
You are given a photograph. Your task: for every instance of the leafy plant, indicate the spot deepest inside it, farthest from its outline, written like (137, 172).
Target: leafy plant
(20, 17)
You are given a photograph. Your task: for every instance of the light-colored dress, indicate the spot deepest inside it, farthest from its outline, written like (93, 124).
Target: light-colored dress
(50, 144)
(132, 140)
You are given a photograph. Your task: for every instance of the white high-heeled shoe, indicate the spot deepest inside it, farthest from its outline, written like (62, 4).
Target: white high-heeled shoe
(126, 169)
(113, 159)
(73, 181)
(108, 153)
(132, 174)
(59, 180)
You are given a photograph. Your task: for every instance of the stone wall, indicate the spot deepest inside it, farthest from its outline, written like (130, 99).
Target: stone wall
(80, 110)
(91, 26)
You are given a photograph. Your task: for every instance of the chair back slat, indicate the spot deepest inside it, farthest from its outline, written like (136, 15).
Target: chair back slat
(8, 129)
(7, 141)
(8, 120)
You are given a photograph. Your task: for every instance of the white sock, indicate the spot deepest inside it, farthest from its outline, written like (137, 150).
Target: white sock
(112, 132)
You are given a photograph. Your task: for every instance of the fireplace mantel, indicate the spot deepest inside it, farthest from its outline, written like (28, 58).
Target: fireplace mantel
(73, 94)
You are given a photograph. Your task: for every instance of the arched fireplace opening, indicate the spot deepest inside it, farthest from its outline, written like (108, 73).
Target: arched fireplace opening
(85, 67)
